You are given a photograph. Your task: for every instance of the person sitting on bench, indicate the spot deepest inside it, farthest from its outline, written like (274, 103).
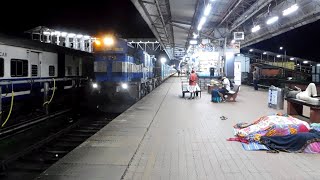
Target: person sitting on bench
(224, 89)
(307, 95)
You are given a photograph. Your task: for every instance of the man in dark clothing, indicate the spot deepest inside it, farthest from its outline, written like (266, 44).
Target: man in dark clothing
(255, 78)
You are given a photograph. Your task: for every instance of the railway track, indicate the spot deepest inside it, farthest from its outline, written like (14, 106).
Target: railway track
(34, 159)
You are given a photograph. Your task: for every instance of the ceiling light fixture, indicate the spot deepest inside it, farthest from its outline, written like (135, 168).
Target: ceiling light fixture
(255, 28)
(290, 10)
(272, 20)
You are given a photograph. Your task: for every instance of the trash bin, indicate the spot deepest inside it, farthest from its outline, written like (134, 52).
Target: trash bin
(275, 98)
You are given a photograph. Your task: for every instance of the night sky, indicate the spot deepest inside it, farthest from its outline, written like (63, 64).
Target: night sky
(89, 17)
(122, 18)
(303, 42)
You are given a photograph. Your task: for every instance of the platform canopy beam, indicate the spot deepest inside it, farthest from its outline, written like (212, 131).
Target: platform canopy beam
(176, 22)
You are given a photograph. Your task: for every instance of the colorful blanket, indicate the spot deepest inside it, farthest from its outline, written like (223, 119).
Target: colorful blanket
(313, 148)
(291, 143)
(273, 125)
(253, 146)
(315, 126)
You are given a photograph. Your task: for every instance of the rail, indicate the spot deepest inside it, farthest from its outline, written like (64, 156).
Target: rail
(43, 153)
(19, 128)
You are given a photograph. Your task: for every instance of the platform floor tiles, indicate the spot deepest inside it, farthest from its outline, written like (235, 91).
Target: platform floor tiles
(186, 139)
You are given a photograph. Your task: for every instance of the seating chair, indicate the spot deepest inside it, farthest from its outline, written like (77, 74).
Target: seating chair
(233, 94)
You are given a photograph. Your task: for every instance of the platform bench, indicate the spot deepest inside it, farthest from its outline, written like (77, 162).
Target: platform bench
(295, 107)
(233, 94)
(184, 87)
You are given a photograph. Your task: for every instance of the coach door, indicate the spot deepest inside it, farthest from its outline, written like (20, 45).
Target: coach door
(35, 68)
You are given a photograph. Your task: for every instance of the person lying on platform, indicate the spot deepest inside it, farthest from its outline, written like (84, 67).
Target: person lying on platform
(307, 95)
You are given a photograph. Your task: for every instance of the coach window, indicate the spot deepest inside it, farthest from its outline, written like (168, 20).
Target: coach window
(77, 71)
(51, 71)
(34, 70)
(69, 70)
(19, 68)
(1, 67)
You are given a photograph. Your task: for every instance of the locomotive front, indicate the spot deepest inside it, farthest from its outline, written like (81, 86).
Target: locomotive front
(123, 74)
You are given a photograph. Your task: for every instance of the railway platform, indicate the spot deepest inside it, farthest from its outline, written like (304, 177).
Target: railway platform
(165, 136)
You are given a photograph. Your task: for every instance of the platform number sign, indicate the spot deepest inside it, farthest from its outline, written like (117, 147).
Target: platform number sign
(238, 36)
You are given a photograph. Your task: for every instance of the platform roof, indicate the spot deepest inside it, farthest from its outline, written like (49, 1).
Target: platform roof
(173, 22)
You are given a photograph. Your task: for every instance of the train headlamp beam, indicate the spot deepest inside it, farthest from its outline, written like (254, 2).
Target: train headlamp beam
(108, 41)
(124, 86)
(95, 85)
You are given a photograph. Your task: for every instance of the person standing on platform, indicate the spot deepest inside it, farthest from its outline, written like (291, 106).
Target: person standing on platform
(255, 76)
(192, 84)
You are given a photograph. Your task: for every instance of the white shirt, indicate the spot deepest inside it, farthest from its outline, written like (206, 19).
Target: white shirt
(226, 83)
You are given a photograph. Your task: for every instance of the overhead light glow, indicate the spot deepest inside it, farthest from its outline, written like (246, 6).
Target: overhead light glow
(64, 34)
(290, 10)
(233, 41)
(95, 85)
(264, 53)
(46, 33)
(203, 20)
(195, 36)
(79, 35)
(305, 62)
(201, 23)
(108, 41)
(281, 48)
(318, 64)
(207, 10)
(251, 50)
(193, 42)
(163, 60)
(278, 56)
(272, 20)
(57, 33)
(189, 48)
(291, 59)
(255, 28)
(86, 37)
(71, 35)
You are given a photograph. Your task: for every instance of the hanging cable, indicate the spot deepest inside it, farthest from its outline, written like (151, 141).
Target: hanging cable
(11, 106)
(54, 89)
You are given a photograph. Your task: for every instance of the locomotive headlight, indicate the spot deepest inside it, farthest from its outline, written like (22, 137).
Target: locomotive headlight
(97, 42)
(124, 86)
(95, 85)
(108, 41)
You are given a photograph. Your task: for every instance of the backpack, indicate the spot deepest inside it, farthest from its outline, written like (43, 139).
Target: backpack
(231, 84)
